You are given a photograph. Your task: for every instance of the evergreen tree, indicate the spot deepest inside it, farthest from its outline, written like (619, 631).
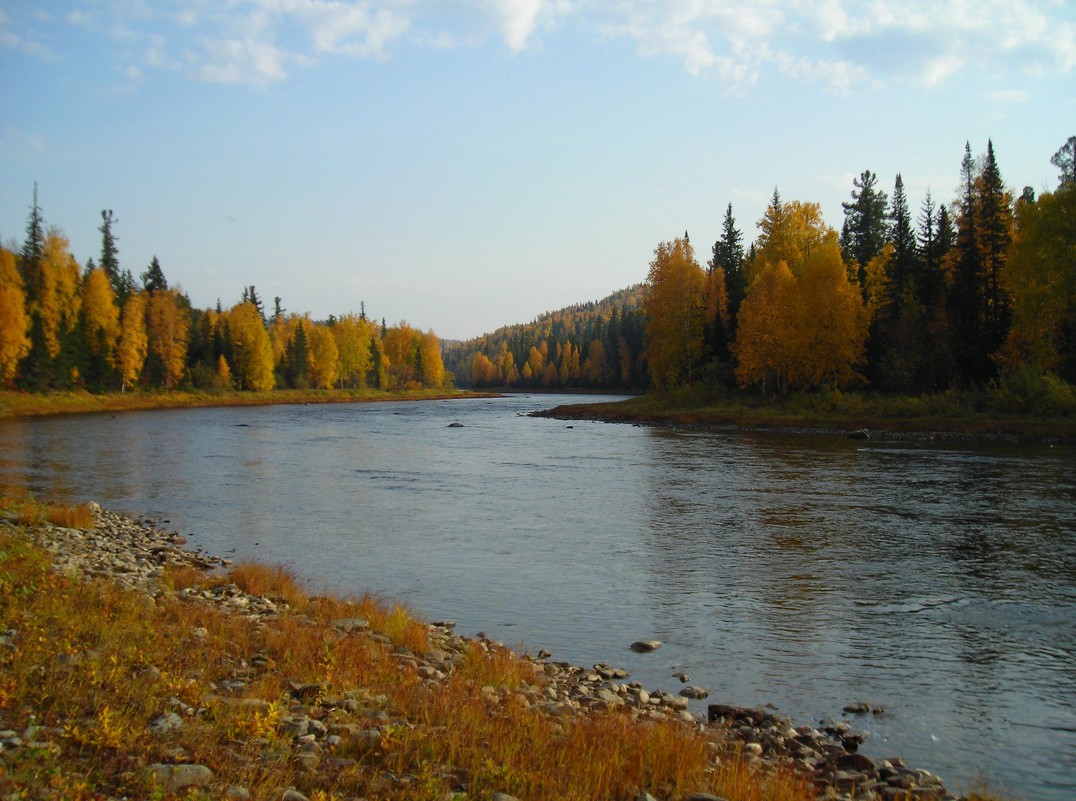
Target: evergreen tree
(901, 234)
(33, 249)
(978, 306)
(1064, 159)
(34, 373)
(864, 231)
(110, 261)
(728, 253)
(995, 214)
(153, 279)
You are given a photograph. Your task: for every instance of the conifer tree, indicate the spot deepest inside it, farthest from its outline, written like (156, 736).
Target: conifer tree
(964, 265)
(901, 234)
(33, 249)
(1065, 160)
(728, 254)
(864, 231)
(110, 262)
(153, 279)
(995, 229)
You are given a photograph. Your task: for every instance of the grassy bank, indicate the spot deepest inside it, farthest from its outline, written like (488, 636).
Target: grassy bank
(88, 670)
(14, 404)
(973, 415)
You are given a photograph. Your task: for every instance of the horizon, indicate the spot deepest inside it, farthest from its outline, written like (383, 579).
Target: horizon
(476, 166)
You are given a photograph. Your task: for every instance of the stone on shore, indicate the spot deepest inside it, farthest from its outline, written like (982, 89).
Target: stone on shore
(175, 778)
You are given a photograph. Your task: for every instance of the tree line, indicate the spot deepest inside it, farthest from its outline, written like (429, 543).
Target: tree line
(99, 328)
(596, 345)
(951, 296)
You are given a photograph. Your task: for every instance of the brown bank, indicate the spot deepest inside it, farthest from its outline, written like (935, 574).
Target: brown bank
(131, 667)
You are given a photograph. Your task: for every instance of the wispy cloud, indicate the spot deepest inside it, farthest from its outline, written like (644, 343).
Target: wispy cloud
(840, 44)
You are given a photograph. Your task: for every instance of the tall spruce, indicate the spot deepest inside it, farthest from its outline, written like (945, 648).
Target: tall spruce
(153, 279)
(902, 269)
(864, 231)
(966, 299)
(1065, 160)
(995, 216)
(33, 250)
(34, 372)
(728, 253)
(110, 259)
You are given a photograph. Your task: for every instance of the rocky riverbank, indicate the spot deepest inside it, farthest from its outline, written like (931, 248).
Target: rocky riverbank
(314, 723)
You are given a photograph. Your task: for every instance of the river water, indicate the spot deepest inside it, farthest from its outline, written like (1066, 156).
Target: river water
(805, 571)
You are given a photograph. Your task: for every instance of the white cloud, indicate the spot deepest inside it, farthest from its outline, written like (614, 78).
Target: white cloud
(841, 44)
(16, 140)
(244, 61)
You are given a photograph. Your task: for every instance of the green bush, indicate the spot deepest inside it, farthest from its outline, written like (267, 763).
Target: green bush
(1025, 391)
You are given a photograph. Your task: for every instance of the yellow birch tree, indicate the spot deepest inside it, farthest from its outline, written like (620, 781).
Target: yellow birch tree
(168, 325)
(322, 357)
(675, 314)
(252, 352)
(14, 321)
(133, 343)
(100, 316)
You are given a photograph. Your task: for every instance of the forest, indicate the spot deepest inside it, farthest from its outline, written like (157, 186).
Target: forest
(99, 328)
(951, 296)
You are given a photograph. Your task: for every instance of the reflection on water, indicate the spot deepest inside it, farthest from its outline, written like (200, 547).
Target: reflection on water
(808, 571)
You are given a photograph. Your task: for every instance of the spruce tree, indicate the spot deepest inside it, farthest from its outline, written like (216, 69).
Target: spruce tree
(153, 279)
(33, 250)
(728, 253)
(995, 235)
(966, 299)
(110, 261)
(864, 231)
(1065, 160)
(902, 236)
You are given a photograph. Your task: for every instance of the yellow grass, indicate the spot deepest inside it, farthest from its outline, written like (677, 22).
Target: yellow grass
(94, 664)
(15, 404)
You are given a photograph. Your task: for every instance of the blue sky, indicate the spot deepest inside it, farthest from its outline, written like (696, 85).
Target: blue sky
(464, 164)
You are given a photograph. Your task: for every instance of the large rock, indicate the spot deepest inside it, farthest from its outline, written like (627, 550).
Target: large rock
(175, 778)
(645, 646)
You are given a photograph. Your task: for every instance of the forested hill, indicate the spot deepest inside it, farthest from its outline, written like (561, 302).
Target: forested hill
(597, 344)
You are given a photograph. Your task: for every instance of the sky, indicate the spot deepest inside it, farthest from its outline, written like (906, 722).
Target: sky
(467, 164)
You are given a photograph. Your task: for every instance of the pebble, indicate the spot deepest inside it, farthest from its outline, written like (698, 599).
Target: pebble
(179, 777)
(133, 554)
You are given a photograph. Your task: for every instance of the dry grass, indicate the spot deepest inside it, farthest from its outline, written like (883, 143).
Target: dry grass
(80, 516)
(94, 665)
(14, 404)
(29, 511)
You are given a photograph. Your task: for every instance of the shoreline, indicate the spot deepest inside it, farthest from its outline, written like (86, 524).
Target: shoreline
(859, 428)
(24, 404)
(135, 554)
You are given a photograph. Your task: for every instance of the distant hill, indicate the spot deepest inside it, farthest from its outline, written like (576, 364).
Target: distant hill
(598, 344)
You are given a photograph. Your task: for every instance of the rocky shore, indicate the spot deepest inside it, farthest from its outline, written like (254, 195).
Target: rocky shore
(135, 553)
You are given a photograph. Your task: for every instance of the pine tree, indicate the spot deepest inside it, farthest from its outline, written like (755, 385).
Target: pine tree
(1064, 159)
(33, 249)
(864, 231)
(995, 214)
(153, 279)
(905, 253)
(110, 261)
(728, 253)
(965, 297)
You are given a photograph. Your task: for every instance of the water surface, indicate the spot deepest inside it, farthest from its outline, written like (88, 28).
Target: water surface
(802, 571)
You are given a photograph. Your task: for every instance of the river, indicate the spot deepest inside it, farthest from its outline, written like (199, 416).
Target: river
(804, 571)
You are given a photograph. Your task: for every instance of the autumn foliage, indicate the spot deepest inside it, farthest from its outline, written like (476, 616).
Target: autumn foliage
(66, 328)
